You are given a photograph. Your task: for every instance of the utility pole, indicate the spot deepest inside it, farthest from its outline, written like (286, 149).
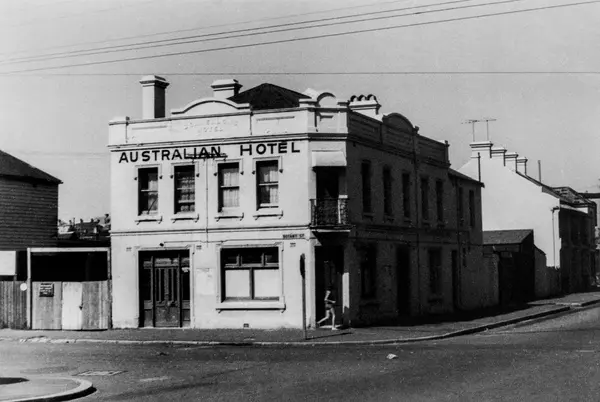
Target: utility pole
(472, 122)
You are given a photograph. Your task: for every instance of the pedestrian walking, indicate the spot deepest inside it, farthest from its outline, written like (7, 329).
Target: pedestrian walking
(329, 308)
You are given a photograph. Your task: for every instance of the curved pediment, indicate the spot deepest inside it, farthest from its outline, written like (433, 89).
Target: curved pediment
(209, 106)
(323, 98)
(399, 121)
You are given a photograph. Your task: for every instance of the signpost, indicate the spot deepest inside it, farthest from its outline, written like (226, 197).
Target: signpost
(303, 273)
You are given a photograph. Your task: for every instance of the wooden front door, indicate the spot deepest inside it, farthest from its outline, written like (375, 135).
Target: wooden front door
(164, 288)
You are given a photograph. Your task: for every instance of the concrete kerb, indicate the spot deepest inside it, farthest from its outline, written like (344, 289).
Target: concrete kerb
(84, 388)
(468, 331)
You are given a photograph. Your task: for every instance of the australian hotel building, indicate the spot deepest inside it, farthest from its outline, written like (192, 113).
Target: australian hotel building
(239, 209)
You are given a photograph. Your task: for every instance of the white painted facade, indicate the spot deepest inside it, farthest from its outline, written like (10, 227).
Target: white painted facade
(318, 137)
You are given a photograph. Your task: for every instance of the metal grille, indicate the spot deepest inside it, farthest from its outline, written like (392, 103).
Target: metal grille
(329, 212)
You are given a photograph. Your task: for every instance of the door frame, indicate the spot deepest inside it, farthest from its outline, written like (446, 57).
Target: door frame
(183, 304)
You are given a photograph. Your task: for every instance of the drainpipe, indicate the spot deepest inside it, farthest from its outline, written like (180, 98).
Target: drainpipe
(417, 226)
(479, 166)
(554, 209)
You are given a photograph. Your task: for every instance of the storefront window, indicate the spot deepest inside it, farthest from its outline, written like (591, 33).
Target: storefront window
(251, 274)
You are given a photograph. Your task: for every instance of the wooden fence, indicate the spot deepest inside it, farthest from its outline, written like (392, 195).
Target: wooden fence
(70, 305)
(13, 305)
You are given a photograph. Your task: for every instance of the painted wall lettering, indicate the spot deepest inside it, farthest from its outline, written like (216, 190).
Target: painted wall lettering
(268, 148)
(157, 155)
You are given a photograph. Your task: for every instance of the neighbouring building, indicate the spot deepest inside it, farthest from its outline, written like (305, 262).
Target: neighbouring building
(28, 205)
(562, 220)
(221, 208)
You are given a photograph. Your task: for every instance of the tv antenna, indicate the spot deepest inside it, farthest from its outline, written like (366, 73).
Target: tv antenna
(472, 122)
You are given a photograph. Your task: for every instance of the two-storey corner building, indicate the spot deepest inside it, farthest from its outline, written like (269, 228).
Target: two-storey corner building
(28, 205)
(219, 208)
(549, 212)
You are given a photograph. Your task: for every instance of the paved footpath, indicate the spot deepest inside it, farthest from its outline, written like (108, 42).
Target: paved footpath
(437, 328)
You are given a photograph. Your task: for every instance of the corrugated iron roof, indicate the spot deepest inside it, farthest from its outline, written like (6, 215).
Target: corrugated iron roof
(505, 236)
(14, 167)
(462, 176)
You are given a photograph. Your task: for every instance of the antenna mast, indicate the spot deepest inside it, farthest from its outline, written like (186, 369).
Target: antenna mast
(472, 122)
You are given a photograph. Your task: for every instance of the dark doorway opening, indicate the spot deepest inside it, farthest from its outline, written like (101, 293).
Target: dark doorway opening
(165, 288)
(329, 268)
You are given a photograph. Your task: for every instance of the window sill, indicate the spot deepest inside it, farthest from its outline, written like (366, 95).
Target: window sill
(268, 212)
(229, 214)
(251, 305)
(441, 224)
(149, 218)
(368, 215)
(389, 218)
(185, 216)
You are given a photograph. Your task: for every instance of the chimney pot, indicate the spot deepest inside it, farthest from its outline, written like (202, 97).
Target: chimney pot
(153, 96)
(224, 89)
(365, 104)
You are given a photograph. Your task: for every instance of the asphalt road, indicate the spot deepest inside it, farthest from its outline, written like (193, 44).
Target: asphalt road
(551, 360)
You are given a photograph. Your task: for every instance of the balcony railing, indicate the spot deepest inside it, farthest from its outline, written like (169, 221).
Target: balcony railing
(329, 212)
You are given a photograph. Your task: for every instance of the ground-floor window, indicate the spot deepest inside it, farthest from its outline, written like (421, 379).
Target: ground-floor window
(368, 271)
(250, 274)
(435, 271)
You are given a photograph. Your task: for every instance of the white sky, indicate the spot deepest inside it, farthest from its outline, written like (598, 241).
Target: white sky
(60, 123)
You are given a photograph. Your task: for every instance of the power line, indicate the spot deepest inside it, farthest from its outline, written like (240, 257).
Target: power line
(243, 32)
(279, 41)
(211, 26)
(263, 73)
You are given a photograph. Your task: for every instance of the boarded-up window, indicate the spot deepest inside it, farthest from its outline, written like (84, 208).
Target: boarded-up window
(251, 274)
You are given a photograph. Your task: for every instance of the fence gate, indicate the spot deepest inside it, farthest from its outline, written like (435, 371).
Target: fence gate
(70, 288)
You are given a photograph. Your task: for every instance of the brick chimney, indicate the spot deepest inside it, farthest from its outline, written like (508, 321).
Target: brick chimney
(482, 148)
(153, 96)
(498, 154)
(223, 89)
(365, 104)
(510, 160)
(522, 165)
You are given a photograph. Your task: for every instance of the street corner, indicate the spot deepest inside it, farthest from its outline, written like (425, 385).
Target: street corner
(47, 389)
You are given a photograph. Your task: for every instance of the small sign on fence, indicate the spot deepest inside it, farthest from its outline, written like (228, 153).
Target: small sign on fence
(46, 289)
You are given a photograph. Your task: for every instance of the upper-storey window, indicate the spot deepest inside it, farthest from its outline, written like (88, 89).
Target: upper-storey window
(365, 172)
(267, 181)
(387, 191)
(461, 217)
(439, 200)
(229, 185)
(147, 191)
(425, 198)
(471, 208)
(406, 194)
(185, 188)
